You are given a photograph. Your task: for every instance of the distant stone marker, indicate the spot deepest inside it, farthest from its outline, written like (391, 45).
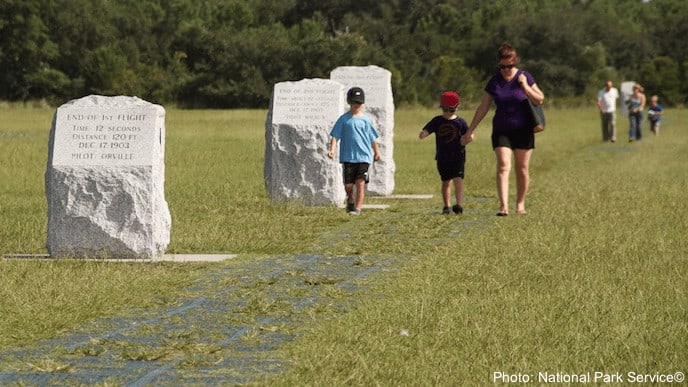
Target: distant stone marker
(376, 82)
(297, 135)
(626, 90)
(105, 179)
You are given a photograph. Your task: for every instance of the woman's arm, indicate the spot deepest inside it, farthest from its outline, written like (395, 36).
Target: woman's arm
(532, 92)
(480, 113)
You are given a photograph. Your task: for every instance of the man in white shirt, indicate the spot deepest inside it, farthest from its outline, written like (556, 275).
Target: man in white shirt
(606, 102)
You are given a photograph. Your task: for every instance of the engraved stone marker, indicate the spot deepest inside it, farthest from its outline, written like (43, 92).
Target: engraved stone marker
(105, 179)
(297, 134)
(376, 82)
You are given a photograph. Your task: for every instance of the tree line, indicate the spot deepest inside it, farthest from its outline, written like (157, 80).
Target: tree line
(230, 53)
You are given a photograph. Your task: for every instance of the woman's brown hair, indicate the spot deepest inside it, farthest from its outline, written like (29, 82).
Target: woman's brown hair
(507, 52)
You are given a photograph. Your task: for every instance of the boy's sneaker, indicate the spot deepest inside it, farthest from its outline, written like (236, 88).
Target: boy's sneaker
(350, 207)
(457, 209)
(445, 210)
(354, 212)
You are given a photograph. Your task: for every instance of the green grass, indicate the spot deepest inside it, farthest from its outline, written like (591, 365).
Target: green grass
(593, 279)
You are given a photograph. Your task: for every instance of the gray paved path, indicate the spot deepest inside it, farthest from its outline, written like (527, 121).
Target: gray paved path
(224, 333)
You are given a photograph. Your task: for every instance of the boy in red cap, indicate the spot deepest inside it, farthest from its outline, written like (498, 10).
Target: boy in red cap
(449, 153)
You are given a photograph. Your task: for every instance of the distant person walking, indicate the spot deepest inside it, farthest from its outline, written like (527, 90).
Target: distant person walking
(636, 104)
(449, 152)
(606, 102)
(654, 114)
(358, 148)
(512, 125)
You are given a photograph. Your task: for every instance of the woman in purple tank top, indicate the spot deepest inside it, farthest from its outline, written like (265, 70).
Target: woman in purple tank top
(512, 125)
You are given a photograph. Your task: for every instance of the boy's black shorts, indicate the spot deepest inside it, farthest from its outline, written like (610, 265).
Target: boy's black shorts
(355, 171)
(451, 169)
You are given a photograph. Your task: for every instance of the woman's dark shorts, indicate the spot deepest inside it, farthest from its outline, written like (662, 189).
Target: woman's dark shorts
(517, 139)
(355, 171)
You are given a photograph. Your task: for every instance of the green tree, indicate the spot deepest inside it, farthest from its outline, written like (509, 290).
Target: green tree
(451, 73)
(229, 53)
(661, 76)
(26, 52)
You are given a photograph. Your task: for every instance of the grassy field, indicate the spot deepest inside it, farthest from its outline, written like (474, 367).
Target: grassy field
(593, 279)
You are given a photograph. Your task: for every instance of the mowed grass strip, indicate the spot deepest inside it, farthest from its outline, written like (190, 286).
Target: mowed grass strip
(594, 278)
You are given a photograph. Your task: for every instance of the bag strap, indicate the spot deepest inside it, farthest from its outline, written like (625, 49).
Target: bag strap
(519, 72)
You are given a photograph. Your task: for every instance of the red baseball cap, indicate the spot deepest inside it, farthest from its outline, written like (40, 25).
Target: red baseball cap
(449, 99)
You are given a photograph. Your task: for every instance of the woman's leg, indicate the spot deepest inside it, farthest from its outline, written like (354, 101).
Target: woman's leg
(632, 133)
(503, 168)
(522, 157)
(639, 126)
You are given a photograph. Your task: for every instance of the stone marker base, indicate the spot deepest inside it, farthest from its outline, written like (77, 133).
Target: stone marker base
(164, 258)
(385, 206)
(368, 206)
(403, 196)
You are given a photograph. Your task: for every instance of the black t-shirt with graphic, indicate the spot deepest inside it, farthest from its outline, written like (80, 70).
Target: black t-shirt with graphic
(447, 137)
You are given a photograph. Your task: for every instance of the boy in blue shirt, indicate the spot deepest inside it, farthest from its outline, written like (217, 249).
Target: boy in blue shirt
(449, 152)
(654, 114)
(358, 148)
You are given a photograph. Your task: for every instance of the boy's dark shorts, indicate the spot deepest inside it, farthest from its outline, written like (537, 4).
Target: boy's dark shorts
(452, 168)
(355, 171)
(517, 139)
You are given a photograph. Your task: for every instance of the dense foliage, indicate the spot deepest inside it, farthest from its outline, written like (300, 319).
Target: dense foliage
(229, 53)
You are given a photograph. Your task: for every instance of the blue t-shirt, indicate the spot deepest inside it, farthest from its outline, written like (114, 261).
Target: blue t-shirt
(651, 113)
(512, 111)
(634, 103)
(447, 137)
(356, 136)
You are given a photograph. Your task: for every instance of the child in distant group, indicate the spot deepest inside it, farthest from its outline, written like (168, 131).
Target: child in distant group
(358, 148)
(449, 153)
(654, 114)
